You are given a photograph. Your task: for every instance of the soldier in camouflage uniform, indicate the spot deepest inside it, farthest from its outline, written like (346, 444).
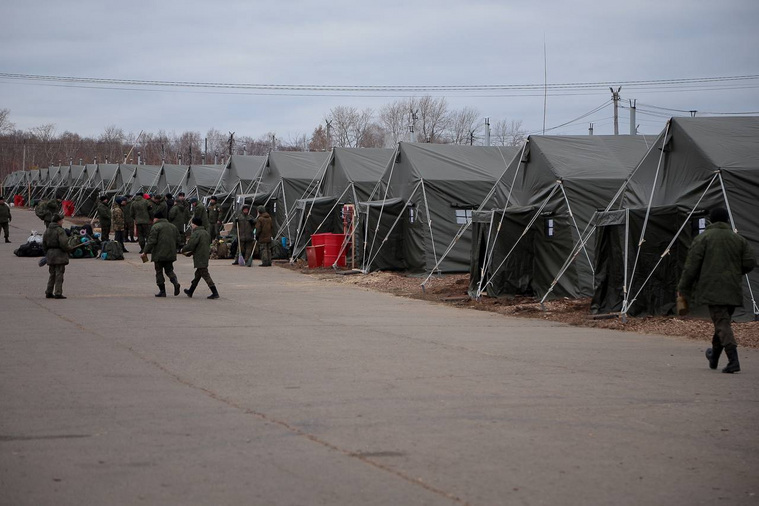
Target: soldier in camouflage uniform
(160, 205)
(117, 220)
(716, 262)
(104, 216)
(263, 235)
(179, 216)
(162, 244)
(199, 247)
(214, 218)
(128, 220)
(55, 243)
(142, 216)
(5, 218)
(51, 208)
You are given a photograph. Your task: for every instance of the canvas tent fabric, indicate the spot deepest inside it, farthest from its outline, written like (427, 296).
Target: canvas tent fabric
(696, 164)
(287, 177)
(200, 180)
(351, 175)
(439, 185)
(542, 206)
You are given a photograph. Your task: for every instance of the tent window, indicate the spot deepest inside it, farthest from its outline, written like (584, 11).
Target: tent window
(274, 207)
(549, 227)
(411, 215)
(463, 216)
(700, 225)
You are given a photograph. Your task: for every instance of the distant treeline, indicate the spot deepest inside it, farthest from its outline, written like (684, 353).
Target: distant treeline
(427, 119)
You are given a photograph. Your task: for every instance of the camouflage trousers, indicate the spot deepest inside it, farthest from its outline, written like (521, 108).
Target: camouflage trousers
(202, 273)
(55, 281)
(264, 249)
(143, 231)
(723, 331)
(6, 228)
(168, 268)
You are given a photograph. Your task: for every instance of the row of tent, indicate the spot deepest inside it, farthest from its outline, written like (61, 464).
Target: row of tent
(607, 217)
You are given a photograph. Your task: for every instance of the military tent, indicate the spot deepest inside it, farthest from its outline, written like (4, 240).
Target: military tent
(696, 164)
(540, 210)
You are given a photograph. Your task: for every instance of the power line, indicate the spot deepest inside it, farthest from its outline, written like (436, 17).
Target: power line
(111, 82)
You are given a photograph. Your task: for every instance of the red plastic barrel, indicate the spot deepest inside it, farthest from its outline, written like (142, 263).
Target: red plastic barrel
(68, 207)
(333, 243)
(315, 255)
(318, 239)
(18, 200)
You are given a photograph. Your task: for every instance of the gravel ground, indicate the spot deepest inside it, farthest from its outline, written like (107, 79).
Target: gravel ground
(451, 289)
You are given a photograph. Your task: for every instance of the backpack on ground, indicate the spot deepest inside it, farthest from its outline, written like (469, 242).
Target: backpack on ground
(112, 250)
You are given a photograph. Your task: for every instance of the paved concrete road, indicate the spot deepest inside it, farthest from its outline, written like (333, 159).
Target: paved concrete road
(293, 391)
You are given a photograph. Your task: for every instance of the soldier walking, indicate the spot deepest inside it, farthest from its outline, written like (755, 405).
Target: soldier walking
(162, 244)
(5, 218)
(55, 243)
(245, 225)
(179, 216)
(199, 247)
(717, 259)
(128, 220)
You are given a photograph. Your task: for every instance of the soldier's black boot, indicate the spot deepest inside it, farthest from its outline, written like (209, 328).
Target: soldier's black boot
(175, 282)
(191, 290)
(713, 353)
(214, 293)
(7, 240)
(732, 359)
(162, 291)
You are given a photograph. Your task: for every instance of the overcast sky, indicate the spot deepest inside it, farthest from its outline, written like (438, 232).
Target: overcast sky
(356, 43)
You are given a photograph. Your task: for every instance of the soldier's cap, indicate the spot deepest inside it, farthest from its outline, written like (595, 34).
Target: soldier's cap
(169, 196)
(246, 206)
(180, 194)
(119, 200)
(719, 214)
(213, 198)
(261, 209)
(197, 221)
(194, 199)
(145, 196)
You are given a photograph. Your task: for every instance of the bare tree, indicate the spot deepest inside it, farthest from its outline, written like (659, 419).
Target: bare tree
(463, 125)
(44, 135)
(509, 133)
(350, 126)
(188, 145)
(112, 144)
(6, 126)
(433, 118)
(394, 118)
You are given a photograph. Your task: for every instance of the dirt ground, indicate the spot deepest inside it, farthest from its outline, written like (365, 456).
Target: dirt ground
(452, 290)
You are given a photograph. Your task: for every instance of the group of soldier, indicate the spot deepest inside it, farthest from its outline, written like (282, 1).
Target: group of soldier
(162, 225)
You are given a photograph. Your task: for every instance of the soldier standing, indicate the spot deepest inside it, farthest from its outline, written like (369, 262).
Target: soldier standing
(263, 235)
(162, 244)
(717, 259)
(179, 216)
(141, 214)
(117, 219)
(5, 218)
(128, 220)
(55, 242)
(199, 247)
(104, 216)
(50, 209)
(245, 225)
(214, 218)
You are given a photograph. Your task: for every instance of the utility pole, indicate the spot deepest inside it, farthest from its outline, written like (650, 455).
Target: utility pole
(329, 134)
(633, 128)
(205, 151)
(414, 115)
(487, 131)
(693, 114)
(615, 99)
(590, 129)
(231, 143)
